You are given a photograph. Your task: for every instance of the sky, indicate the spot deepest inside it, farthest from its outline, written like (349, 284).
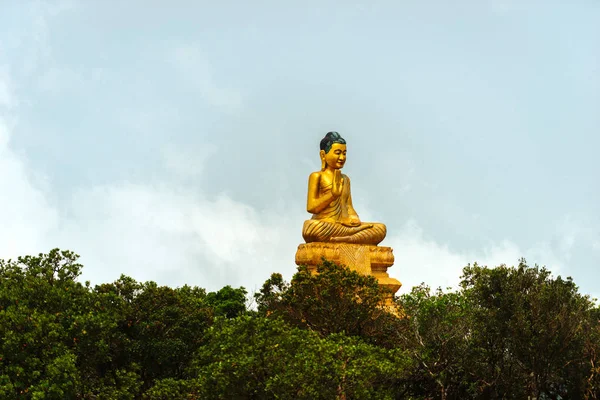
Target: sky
(173, 143)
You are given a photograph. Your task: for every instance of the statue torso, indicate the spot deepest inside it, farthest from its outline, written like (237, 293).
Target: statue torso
(337, 210)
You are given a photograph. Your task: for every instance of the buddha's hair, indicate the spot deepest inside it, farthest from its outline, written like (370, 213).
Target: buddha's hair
(330, 139)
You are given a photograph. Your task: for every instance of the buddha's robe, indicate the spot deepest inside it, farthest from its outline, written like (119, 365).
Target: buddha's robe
(327, 226)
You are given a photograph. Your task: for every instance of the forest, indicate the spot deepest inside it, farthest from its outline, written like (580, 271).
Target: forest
(507, 332)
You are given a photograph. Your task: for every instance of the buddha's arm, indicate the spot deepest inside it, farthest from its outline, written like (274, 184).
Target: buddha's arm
(352, 215)
(315, 203)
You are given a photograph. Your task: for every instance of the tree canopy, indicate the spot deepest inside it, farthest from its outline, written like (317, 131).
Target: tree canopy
(506, 332)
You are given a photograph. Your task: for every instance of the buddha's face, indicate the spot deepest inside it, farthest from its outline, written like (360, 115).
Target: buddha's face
(336, 158)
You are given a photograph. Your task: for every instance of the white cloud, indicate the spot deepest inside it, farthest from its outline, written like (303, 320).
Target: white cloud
(58, 79)
(7, 97)
(184, 163)
(175, 236)
(26, 216)
(195, 68)
(167, 233)
(29, 51)
(503, 6)
(172, 234)
(418, 259)
(55, 79)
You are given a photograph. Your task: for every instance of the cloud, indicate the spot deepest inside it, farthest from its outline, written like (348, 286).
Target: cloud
(503, 6)
(30, 51)
(175, 236)
(194, 67)
(165, 232)
(169, 230)
(184, 162)
(57, 80)
(419, 259)
(569, 231)
(7, 97)
(26, 214)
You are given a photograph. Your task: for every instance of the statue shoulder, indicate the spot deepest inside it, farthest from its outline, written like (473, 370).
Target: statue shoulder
(314, 177)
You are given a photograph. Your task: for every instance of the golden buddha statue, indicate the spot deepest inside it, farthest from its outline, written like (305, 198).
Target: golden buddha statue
(330, 201)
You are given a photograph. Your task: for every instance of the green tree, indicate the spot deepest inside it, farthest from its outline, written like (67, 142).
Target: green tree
(58, 337)
(335, 300)
(62, 339)
(257, 357)
(436, 333)
(40, 302)
(164, 328)
(227, 302)
(529, 332)
(506, 333)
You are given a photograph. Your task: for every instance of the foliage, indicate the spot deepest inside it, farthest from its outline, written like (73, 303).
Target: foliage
(529, 332)
(44, 316)
(228, 302)
(164, 327)
(437, 335)
(335, 300)
(506, 332)
(63, 339)
(278, 361)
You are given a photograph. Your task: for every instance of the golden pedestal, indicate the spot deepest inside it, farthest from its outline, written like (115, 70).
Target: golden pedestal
(364, 259)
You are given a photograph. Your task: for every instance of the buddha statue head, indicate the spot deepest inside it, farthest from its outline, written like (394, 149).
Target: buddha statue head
(333, 151)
